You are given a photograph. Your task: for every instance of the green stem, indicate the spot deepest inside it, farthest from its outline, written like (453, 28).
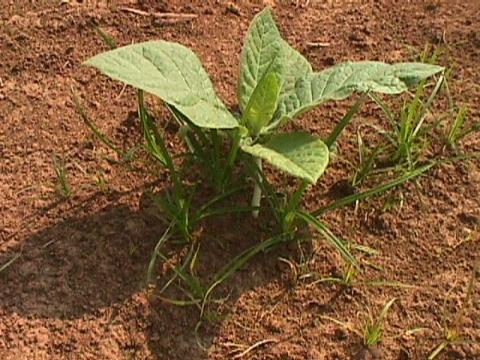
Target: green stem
(257, 190)
(297, 196)
(292, 206)
(232, 156)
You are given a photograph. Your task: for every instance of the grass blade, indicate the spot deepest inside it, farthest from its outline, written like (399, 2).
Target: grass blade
(385, 310)
(156, 252)
(107, 39)
(225, 210)
(8, 263)
(375, 191)
(438, 350)
(155, 145)
(218, 198)
(100, 136)
(329, 236)
(332, 138)
(240, 260)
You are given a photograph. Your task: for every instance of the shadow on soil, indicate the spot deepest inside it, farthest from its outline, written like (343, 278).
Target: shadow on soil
(79, 265)
(85, 265)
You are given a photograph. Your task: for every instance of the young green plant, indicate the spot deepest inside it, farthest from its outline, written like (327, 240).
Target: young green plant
(276, 84)
(63, 185)
(372, 331)
(458, 129)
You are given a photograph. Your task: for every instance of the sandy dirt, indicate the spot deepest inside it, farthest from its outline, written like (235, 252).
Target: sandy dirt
(76, 289)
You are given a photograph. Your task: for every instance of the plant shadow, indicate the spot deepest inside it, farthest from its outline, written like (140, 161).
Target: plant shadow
(83, 265)
(79, 265)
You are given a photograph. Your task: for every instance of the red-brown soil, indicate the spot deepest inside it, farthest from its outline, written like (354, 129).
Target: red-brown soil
(76, 290)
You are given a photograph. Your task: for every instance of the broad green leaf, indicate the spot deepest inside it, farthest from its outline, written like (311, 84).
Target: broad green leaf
(340, 81)
(295, 67)
(298, 154)
(264, 46)
(173, 73)
(262, 103)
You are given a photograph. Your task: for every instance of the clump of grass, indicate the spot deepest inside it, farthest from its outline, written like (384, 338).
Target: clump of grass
(414, 132)
(371, 331)
(373, 328)
(409, 137)
(458, 129)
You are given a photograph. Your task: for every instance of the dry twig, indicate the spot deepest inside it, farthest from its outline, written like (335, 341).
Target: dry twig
(167, 17)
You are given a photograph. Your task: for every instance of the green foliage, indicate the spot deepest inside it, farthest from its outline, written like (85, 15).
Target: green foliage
(275, 80)
(411, 136)
(297, 153)
(340, 81)
(459, 129)
(276, 84)
(372, 330)
(372, 333)
(174, 74)
(264, 49)
(408, 137)
(262, 103)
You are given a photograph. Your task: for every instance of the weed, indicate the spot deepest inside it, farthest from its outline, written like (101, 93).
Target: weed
(62, 188)
(371, 332)
(101, 182)
(408, 139)
(373, 329)
(347, 279)
(458, 129)
(349, 275)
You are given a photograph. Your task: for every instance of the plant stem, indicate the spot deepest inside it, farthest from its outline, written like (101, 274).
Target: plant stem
(257, 190)
(292, 206)
(232, 155)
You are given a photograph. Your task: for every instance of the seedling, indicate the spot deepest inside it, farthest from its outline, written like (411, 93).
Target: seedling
(299, 270)
(458, 129)
(372, 331)
(276, 84)
(347, 278)
(367, 160)
(101, 182)
(63, 186)
(349, 275)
